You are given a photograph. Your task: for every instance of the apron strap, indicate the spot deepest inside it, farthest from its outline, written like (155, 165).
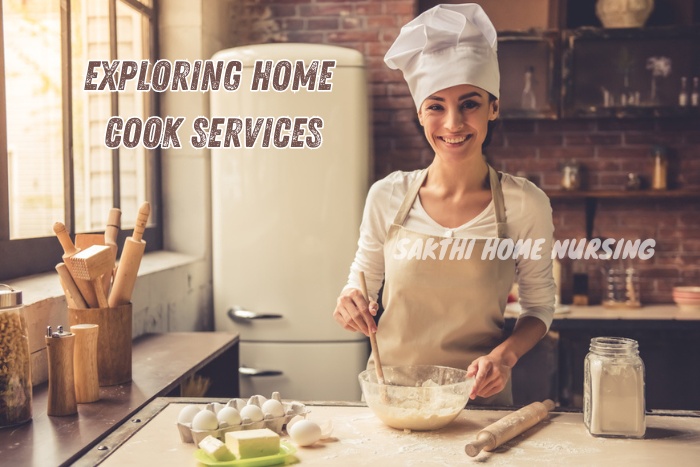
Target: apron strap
(498, 203)
(410, 197)
(496, 194)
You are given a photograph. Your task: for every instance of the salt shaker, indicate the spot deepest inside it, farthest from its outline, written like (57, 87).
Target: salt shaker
(59, 346)
(613, 391)
(15, 365)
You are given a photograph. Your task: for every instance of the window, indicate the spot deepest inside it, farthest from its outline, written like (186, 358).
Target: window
(54, 165)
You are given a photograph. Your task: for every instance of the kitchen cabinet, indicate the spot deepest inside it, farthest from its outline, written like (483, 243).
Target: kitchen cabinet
(361, 439)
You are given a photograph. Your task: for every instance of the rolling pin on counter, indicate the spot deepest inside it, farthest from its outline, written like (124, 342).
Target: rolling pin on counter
(509, 427)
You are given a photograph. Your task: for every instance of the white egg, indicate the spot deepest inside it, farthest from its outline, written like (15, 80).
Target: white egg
(273, 407)
(305, 432)
(205, 420)
(252, 412)
(218, 406)
(229, 415)
(293, 420)
(187, 413)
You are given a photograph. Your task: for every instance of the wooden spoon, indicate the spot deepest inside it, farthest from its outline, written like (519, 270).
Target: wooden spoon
(372, 336)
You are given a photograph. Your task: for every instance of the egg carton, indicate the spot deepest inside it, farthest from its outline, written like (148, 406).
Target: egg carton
(276, 424)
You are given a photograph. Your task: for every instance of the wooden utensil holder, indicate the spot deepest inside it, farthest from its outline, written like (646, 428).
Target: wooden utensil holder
(113, 340)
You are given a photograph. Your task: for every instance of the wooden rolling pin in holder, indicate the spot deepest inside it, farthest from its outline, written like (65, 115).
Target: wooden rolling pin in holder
(509, 427)
(128, 268)
(114, 224)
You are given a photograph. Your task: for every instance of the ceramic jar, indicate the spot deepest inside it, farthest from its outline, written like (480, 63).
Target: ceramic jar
(623, 13)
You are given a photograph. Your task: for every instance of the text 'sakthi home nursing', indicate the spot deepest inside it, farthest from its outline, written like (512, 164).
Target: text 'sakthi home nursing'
(503, 248)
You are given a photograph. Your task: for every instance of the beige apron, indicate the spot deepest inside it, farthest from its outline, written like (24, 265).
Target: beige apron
(443, 311)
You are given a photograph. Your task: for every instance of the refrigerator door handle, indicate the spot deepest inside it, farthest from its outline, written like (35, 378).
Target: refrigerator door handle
(240, 314)
(247, 371)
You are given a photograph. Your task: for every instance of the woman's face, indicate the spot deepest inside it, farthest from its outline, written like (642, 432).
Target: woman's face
(455, 120)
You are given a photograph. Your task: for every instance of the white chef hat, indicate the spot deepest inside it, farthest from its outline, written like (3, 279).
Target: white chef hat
(445, 46)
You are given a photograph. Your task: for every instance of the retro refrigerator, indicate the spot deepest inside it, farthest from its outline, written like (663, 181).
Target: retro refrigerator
(286, 223)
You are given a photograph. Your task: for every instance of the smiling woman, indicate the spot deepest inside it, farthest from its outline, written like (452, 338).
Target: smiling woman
(451, 312)
(53, 163)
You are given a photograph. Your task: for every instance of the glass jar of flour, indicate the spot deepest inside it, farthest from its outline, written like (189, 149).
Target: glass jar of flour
(613, 391)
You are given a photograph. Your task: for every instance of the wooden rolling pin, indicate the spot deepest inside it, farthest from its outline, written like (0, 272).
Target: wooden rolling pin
(73, 296)
(114, 224)
(509, 427)
(128, 268)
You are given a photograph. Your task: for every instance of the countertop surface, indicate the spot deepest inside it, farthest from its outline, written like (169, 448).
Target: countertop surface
(646, 312)
(360, 439)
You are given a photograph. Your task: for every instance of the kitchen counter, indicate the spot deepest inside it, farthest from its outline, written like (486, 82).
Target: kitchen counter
(360, 439)
(667, 337)
(647, 312)
(649, 316)
(161, 362)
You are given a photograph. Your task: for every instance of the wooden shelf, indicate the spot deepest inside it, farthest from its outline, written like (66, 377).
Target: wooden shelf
(591, 198)
(622, 194)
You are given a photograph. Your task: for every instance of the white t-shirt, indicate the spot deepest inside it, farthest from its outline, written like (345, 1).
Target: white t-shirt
(528, 215)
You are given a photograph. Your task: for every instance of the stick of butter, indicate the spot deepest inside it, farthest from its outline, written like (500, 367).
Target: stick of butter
(216, 449)
(253, 443)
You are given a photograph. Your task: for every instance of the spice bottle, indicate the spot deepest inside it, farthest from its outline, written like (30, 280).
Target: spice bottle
(613, 392)
(659, 173)
(15, 366)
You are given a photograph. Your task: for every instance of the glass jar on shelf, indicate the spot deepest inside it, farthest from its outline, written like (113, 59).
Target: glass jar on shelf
(621, 288)
(15, 364)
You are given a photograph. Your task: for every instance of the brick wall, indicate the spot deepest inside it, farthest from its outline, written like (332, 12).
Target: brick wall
(607, 149)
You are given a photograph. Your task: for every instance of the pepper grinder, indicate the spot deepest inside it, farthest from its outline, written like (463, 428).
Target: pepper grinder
(59, 346)
(87, 387)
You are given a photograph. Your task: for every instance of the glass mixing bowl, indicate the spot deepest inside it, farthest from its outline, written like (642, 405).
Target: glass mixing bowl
(421, 397)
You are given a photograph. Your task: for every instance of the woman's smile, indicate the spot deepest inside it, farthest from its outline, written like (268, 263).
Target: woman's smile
(455, 140)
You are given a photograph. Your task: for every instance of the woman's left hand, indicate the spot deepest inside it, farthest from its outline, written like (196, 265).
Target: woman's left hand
(492, 374)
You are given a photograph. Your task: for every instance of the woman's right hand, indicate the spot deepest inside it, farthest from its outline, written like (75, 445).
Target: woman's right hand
(354, 313)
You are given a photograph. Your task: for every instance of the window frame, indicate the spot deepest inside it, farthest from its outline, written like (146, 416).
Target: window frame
(27, 256)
